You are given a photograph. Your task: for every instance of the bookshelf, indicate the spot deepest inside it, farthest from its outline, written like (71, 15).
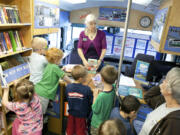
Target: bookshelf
(25, 27)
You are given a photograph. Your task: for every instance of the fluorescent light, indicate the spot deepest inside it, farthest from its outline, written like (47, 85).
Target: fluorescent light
(76, 1)
(142, 2)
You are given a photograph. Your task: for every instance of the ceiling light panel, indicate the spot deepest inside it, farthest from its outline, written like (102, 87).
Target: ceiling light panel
(76, 1)
(142, 2)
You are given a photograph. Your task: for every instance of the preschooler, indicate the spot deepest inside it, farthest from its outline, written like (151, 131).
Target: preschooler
(28, 109)
(103, 101)
(37, 61)
(127, 112)
(47, 87)
(79, 99)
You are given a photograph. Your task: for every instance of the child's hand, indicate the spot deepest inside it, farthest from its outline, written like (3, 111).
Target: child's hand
(6, 88)
(15, 83)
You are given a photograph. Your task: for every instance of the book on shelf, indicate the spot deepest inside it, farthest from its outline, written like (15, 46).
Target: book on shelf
(9, 14)
(13, 68)
(11, 41)
(127, 90)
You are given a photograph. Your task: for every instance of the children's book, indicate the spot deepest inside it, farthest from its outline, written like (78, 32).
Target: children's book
(126, 90)
(98, 82)
(92, 65)
(141, 71)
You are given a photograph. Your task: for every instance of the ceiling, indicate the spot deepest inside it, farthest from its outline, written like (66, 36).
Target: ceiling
(151, 8)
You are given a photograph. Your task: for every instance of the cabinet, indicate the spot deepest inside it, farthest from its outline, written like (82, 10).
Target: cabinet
(25, 27)
(166, 28)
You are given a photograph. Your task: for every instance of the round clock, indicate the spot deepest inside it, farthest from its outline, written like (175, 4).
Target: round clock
(145, 21)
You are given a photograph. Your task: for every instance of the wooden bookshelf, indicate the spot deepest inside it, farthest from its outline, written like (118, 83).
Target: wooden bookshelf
(14, 53)
(13, 26)
(25, 8)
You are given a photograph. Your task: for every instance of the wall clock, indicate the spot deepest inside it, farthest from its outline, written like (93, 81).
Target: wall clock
(145, 21)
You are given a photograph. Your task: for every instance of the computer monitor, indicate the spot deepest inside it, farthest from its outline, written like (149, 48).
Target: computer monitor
(158, 69)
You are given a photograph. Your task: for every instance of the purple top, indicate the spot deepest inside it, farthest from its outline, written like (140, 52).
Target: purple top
(99, 42)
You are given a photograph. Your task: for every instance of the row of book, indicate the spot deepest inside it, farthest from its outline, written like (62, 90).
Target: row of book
(11, 41)
(9, 14)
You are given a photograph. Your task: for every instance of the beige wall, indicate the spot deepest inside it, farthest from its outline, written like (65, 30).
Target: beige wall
(76, 16)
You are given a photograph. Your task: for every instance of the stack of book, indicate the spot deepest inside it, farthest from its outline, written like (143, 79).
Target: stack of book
(11, 41)
(9, 14)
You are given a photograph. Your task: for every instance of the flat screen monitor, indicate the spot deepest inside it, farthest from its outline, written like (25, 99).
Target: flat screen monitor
(158, 69)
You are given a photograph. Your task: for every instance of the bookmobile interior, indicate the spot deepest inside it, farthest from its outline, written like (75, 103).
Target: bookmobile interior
(152, 38)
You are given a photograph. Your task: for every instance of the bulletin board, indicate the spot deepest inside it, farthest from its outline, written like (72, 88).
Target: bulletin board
(135, 43)
(46, 15)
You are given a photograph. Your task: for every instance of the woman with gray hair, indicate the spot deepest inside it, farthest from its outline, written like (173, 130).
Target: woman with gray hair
(165, 119)
(92, 42)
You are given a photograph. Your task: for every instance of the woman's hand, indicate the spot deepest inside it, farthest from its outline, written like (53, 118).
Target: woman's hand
(98, 64)
(86, 64)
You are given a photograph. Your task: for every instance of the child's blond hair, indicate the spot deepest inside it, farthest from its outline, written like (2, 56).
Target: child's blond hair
(112, 127)
(109, 74)
(24, 90)
(39, 43)
(78, 72)
(54, 54)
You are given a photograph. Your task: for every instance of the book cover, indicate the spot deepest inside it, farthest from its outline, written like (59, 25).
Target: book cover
(16, 11)
(2, 45)
(8, 42)
(13, 41)
(8, 14)
(17, 42)
(8, 39)
(18, 39)
(3, 42)
(2, 15)
(141, 71)
(92, 65)
(1, 19)
(21, 38)
(5, 14)
(127, 90)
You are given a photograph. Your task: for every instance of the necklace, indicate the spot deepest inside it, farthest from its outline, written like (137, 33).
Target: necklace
(92, 35)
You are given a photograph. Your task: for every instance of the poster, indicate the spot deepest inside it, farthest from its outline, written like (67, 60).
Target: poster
(45, 15)
(158, 25)
(128, 52)
(141, 44)
(130, 42)
(173, 39)
(109, 41)
(141, 71)
(117, 50)
(118, 41)
(112, 14)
